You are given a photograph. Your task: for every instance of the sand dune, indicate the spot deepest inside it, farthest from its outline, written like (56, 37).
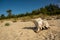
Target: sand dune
(25, 31)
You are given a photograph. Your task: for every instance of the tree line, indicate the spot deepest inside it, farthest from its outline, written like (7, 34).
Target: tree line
(51, 9)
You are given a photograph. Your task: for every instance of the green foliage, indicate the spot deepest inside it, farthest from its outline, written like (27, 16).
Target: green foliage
(15, 20)
(9, 13)
(2, 16)
(52, 9)
(47, 10)
(7, 24)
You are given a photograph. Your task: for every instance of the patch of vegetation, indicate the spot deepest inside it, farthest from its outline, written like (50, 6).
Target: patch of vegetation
(49, 10)
(14, 21)
(58, 17)
(7, 24)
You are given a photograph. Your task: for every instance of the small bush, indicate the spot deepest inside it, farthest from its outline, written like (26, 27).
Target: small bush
(7, 24)
(58, 17)
(14, 21)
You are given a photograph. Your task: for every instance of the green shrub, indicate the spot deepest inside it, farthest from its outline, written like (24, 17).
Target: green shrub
(58, 17)
(14, 21)
(7, 24)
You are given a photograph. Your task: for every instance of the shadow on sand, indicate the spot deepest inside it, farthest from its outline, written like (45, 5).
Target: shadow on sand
(35, 28)
(32, 28)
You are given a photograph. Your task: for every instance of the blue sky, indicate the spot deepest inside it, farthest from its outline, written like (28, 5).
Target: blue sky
(23, 6)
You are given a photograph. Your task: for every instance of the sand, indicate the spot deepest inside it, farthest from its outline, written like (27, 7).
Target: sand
(25, 31)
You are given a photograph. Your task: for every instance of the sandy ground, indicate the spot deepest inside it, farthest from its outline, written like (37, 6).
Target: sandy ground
(25, 31)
